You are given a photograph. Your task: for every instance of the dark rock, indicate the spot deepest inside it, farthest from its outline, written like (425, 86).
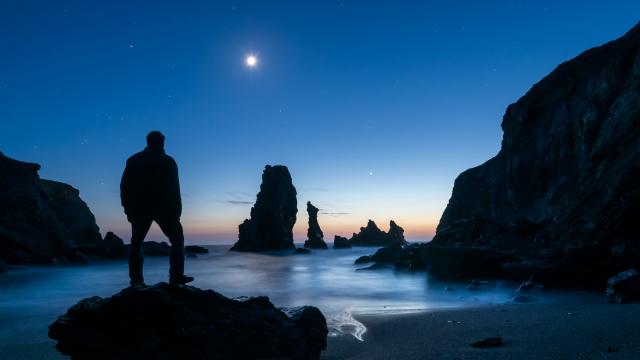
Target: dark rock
(3, 267)
(314, 233)
(73, 214)
(273, 215)
(340, 242)
(191, 255)
(564, 186)
(624, 287)
(194, 249)
(488, 342)
(403, 257)
(523, 299)
(41, 220)
(113, 247)
(376, 266)
(183, 322)
(475, 285)
(371, 235)
(301, 251)
(527, 287)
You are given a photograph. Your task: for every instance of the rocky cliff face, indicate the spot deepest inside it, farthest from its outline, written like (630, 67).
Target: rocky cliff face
(41, 220)
(273, 215)
(315, 237)
(563, 191)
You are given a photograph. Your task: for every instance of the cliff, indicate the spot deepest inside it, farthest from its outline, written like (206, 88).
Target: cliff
(560, 199)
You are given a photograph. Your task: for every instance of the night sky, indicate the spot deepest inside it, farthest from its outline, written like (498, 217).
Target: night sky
(375, 106)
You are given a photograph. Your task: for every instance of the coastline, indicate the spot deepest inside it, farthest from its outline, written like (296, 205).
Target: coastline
(555, 330)
(571, 329)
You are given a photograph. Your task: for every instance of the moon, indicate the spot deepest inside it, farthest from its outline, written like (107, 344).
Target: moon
(251, 61)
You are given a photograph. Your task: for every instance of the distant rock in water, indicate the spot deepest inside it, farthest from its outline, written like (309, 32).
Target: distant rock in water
(301, 251)
(41, 220)
(183, 322)
(314, 233)
(273, 215)
(561, 199)
(340, 242)
(194, 249)
(371, 235)
(113, 246)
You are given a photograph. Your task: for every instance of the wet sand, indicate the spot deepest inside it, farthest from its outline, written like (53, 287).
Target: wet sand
(529, 331)
(557, 330)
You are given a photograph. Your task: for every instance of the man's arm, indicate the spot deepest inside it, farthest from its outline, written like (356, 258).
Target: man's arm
(175, 188)
(125, 186)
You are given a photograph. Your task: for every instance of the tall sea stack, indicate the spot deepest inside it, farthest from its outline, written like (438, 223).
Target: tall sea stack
(561, 199)
(272, 216)
(315, 237)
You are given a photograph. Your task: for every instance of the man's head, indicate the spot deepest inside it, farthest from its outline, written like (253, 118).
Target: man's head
(155, 140)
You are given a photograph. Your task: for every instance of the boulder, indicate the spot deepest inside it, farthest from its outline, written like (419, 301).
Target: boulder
(273, 215)
(194, 249)
(183, 322)
(314, 233)
(624, 287)
(301, 251)
(340, 242)
(561, 196)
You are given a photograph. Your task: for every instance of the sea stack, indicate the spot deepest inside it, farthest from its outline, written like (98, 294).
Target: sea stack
(371, 235)
(272, 216)
(315, 237)
(561, 199)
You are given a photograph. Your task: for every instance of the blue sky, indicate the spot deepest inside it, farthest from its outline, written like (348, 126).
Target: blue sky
(375, 106)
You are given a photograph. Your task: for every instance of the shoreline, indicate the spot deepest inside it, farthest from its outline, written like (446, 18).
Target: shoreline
(571, 329)
(568, 329)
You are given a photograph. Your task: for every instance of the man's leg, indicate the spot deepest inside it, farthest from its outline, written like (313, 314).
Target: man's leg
(173, 230)
(139, 229)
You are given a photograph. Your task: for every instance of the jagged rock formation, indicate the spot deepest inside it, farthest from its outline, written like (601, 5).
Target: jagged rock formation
(340, 242)
(41, 220)
(561, 199)
(315, 237)
(402, 256)
(273, 215)
(183, 322)
(371, 235)
(113, 247)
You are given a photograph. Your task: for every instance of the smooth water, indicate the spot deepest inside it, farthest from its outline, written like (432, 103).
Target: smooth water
(33, 297)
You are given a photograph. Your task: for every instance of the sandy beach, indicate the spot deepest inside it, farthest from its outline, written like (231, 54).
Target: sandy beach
(558, 330)
(529, 331)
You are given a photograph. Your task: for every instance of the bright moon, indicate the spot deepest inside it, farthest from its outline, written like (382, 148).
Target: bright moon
(251, 61)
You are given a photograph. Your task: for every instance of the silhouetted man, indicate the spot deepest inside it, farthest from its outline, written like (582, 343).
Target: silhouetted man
(150, 191)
